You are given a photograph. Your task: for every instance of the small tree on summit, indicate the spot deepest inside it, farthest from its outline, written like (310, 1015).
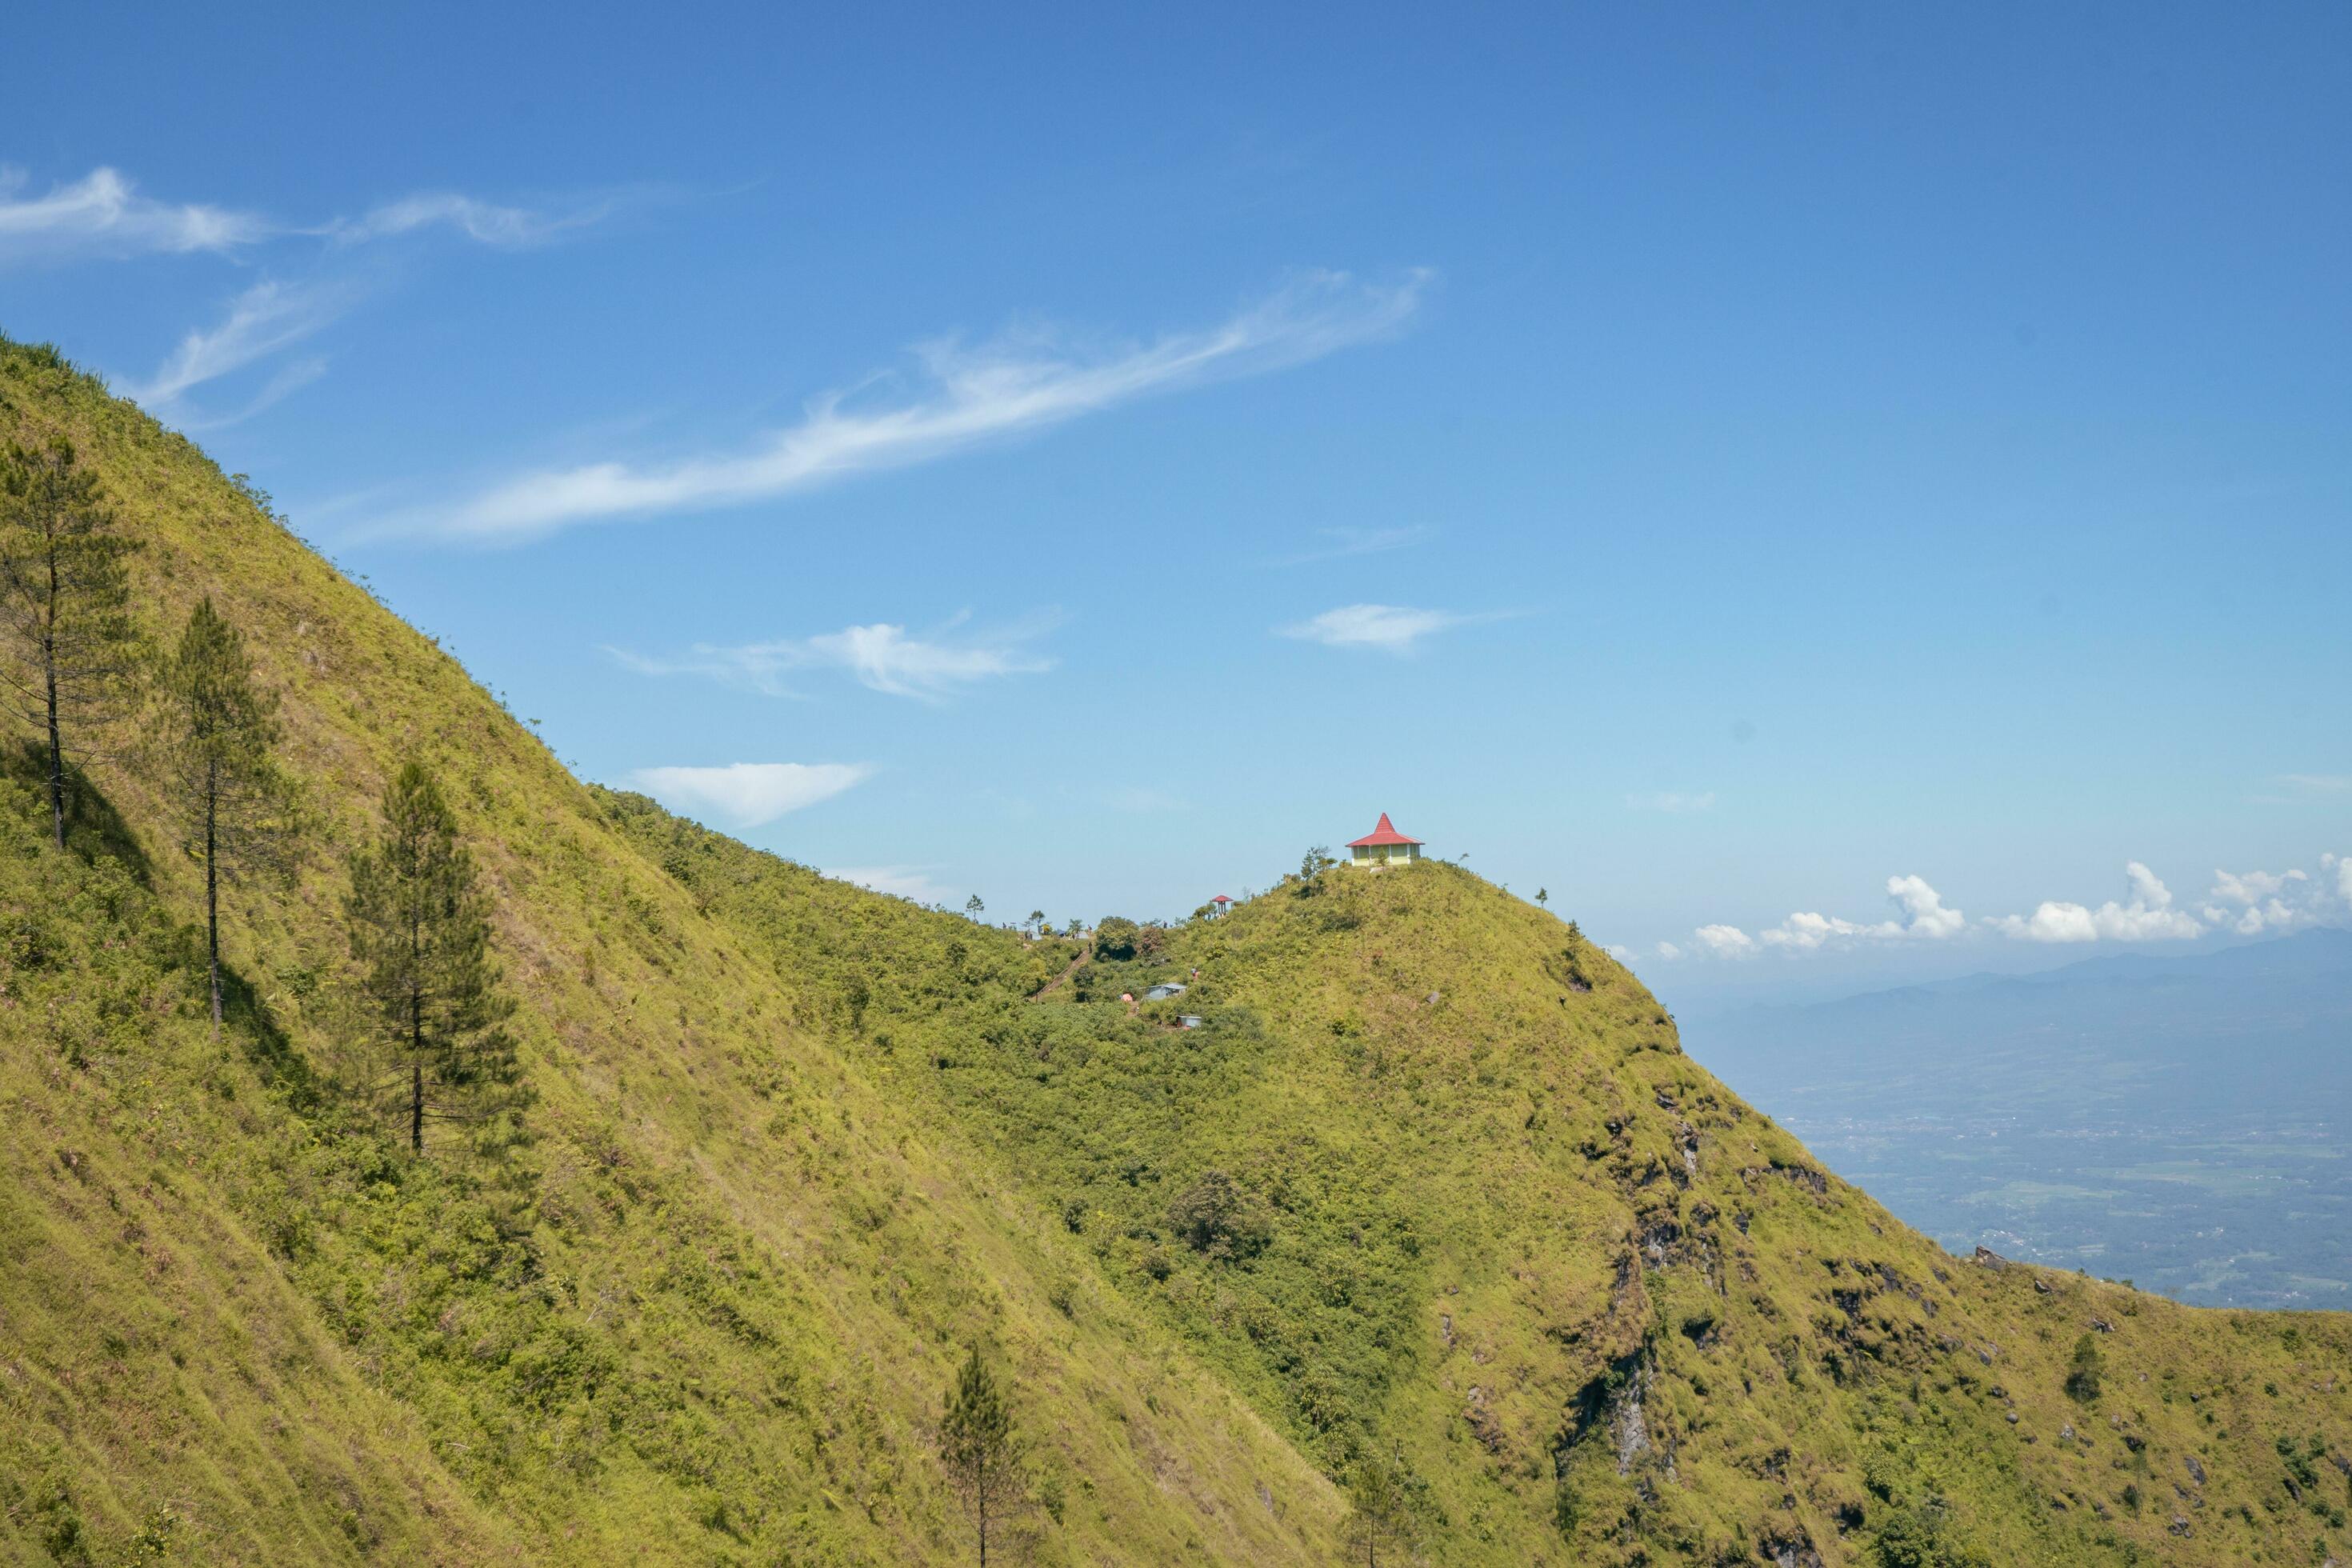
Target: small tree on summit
(1542, 897)
(420, 932)
(979, 1449)
(65, 606)
(972, 906)
(213, 734)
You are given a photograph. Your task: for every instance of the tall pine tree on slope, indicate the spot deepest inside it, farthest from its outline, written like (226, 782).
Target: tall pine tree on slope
(214, 732)
(420, 932)
(65, 607)
(978, 1447)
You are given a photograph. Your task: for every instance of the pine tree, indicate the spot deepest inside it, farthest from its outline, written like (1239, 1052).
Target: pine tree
(1382, 1495)
(978, 1447)
(65, 607)
(213, 734)
(420, 932)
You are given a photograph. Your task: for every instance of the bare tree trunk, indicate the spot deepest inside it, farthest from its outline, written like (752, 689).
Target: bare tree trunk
(56, 761)
(980, 1506)
(212, 884)
(415, 1074)
(49, 678)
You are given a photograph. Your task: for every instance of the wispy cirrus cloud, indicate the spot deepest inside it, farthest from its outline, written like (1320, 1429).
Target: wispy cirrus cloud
(1339, 543)
(966, 396)
(930, 666)
(486, 223)
(750, 795)
(102, 214)
(1389, 629)
(264, 320)
(104, 217)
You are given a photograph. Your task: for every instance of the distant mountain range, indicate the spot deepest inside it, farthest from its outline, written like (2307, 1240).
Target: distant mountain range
(2186, 1120)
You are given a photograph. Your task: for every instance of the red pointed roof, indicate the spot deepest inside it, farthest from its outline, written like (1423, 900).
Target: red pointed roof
(1384, 834)
(1221, 899)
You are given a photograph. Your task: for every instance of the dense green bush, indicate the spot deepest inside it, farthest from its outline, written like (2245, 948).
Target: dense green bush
(1215, 1216)
(1116, 937)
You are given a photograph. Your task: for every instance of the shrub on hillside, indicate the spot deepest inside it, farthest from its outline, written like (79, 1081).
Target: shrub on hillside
(1216, 1216)
(2083, 1376)
(1116, 937)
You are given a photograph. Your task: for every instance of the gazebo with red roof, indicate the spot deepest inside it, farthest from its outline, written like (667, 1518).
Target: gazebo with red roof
(1382, 846)
(1220, 904)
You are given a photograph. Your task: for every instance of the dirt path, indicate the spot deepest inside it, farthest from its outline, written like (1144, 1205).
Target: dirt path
(1060, 980)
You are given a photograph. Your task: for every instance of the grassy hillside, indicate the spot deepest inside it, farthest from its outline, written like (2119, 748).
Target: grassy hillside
(1432, 1190)
(707, 1317)
(1481, 1212)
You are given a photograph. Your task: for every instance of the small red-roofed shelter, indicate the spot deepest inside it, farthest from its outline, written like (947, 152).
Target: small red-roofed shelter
(1221, 902)
(1382, 846)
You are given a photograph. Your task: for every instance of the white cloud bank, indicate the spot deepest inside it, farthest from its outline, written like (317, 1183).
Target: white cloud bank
(747, 794)
(1919, 916)
(2147, 916)
(882, 657)
(2252, 904)
(1724, 940)
(1390, 628)
(971, 396)
(2245, 903)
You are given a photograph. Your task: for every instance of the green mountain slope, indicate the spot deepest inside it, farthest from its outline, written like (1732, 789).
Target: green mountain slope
(1432, 1188)
(708, 1317)
(1487, 1215)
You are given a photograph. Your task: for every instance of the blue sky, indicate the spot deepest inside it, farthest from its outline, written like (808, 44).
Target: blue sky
(1843, 463)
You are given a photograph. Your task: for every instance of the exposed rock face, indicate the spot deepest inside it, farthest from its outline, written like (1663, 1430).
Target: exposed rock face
(1632, 1428)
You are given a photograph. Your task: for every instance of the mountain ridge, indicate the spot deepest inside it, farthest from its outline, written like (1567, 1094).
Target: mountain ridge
(1434, 1186)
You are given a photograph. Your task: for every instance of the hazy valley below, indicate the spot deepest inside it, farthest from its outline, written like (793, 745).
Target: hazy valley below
(2178, 1122)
